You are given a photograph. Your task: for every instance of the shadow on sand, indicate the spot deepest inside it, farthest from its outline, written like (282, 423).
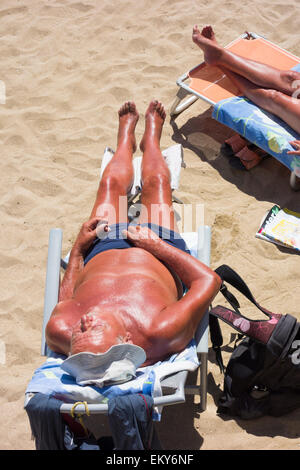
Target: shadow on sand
(269, 181)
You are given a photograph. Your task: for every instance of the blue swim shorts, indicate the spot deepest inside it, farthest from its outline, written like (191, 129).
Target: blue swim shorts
(114, 239)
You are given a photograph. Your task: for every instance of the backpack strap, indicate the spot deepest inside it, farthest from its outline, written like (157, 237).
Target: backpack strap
(227, 274)
(259, 330)
(216, 340)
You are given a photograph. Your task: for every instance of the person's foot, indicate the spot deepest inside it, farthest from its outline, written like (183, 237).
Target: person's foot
(154, 120)
(206, 40)
(209, 33)
(128, 118)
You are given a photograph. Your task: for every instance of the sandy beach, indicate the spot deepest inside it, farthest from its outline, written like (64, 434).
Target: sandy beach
(67, 68)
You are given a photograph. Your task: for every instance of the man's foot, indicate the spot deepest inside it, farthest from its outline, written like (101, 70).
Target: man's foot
(128, 118)
(206, 40)
(154, 120)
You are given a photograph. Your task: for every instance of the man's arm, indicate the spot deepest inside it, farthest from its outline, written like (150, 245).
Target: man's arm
(178, 322)
(59, 326)
(89, 231)
(75, 266)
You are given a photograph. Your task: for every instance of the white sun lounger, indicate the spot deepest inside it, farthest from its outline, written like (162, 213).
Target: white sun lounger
(173, 386)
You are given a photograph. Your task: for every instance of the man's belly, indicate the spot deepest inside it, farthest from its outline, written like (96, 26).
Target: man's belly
(127, 274)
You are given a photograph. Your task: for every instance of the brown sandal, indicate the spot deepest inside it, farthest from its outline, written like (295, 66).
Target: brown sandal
(236, 143)
(251, 156)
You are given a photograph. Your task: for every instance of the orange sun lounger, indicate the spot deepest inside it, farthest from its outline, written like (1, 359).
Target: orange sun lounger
(210, 84)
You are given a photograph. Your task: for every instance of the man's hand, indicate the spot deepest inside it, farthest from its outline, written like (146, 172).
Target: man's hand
(296, 145)
(142, 237)
(90, 230)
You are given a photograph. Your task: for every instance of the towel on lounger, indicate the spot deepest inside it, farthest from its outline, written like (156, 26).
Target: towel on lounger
(260, 127)
(51, 379)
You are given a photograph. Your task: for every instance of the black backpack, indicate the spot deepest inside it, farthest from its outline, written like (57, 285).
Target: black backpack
(262, 376)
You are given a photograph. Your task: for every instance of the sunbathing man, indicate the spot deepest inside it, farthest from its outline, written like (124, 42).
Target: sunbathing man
(126, 288)
(272, 89)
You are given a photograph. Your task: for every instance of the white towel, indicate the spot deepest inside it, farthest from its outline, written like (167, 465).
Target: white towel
(173, 156)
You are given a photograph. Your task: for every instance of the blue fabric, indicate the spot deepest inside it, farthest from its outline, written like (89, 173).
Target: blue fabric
(259, 127)
(130, 420)
(46, 422)
(48, 428)
(114, 240)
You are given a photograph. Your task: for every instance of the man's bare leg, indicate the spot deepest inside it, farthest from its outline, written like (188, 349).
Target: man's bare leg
(157, 207)
(258, 73)
(118, 176)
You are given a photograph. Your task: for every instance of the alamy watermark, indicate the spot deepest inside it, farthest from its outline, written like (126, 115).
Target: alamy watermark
(2, 352)
(296, 354)
(185, 218)
(2, 92)
(296, 86)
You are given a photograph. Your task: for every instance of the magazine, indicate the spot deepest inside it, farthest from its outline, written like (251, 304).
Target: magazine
(281, 226)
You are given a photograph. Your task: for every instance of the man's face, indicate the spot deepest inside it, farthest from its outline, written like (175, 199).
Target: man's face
(96, 332)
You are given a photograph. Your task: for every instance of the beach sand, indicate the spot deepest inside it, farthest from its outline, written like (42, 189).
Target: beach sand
(67, 67)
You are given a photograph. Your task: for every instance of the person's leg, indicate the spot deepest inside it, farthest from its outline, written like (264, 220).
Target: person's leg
(276, 102)
(260, 74)
(118, 176)
(156, 198)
